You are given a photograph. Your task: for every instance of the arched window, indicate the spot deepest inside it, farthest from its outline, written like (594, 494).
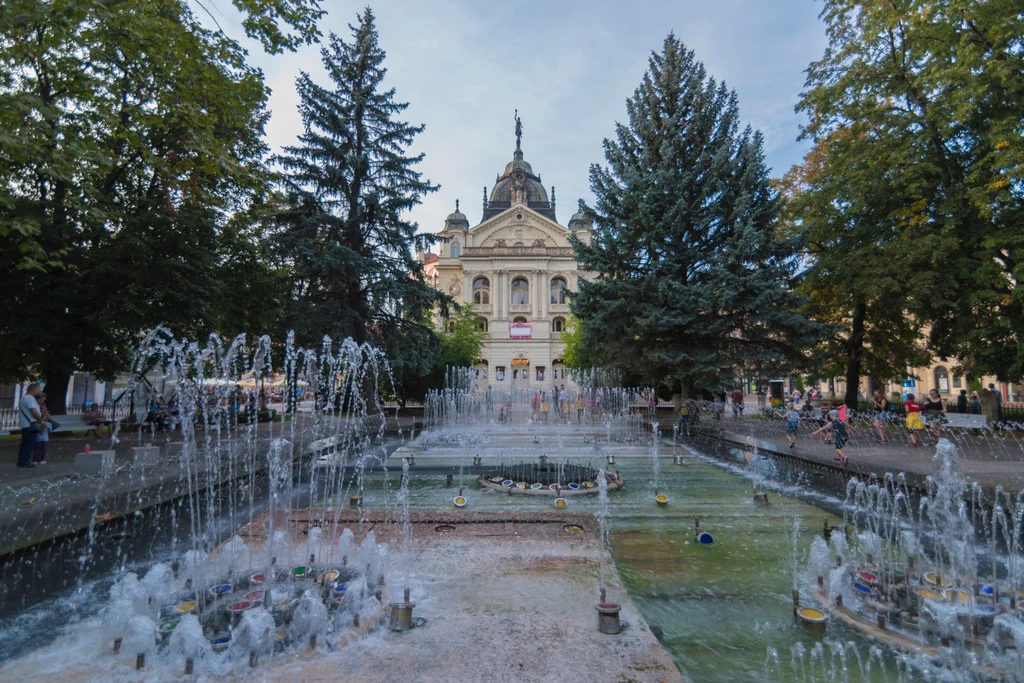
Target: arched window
(481, 291)
(520, 292)
(481, 324)
(456, 250)
(519, 319)
(519, 244)
(942, 380)
(558, 289)
(558, 325)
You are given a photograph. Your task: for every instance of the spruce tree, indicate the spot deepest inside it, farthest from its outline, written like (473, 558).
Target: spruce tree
(693, 279)
(345, 230)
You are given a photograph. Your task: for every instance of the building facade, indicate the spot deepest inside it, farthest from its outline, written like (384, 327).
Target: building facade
(516, 267)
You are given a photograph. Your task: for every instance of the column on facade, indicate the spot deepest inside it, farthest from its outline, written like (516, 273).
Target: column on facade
(467, 286)
(496, 293)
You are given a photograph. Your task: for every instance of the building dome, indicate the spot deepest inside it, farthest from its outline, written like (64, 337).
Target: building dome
(456, 220)
(519, 185)
(579, 220)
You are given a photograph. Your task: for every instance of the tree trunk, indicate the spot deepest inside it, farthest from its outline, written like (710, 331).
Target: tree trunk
(56, 391)
(854, 350)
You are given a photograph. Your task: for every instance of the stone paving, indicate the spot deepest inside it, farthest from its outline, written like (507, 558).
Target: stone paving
(507, 596)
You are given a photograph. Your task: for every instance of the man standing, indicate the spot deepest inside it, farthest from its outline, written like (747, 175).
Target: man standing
(28, 409)
(999, 401)
(737, 402)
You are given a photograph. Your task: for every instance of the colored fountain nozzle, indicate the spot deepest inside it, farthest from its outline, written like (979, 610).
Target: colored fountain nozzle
(611, 459)
(401, 614)
(608, 618)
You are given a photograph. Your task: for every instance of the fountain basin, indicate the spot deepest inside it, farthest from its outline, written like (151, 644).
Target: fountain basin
(704, 538)
(221, 589)
(862, 590)
(547, 488)
(460, 501)
(328, 576)
(813, 620)
(661, 499)
(560, 502)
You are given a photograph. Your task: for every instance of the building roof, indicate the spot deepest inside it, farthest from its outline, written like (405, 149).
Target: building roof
(517, 181)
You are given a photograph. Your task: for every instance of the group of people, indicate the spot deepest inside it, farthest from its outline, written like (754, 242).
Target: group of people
(543, 402)
(36, 425)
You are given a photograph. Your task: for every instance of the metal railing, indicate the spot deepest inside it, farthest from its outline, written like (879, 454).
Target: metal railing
(9, 416)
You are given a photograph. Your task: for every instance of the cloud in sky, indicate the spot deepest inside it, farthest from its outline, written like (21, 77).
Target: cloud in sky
(568, 67)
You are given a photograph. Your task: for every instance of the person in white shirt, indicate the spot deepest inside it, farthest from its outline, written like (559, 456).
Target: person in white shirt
(28, 415)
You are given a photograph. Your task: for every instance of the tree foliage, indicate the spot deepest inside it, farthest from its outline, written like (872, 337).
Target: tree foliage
(128, 134)
(916, 180)
(694, 276)
(345, 230)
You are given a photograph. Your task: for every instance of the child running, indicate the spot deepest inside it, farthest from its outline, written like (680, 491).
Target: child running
(839, 435)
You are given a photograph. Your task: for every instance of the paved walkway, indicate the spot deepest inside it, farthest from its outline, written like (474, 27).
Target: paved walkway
(868, 456)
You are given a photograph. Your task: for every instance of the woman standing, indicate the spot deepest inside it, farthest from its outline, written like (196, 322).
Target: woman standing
(880, 404)
(935, 408)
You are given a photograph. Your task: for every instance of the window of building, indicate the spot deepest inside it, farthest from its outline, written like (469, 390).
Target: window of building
(958, 382)
(481, 324)
(456, 249)
(519, 244)
(558, 325)
(499, 373)
(520, 292)
(942, 380)
(540, 373)
(481, 291)
(558, 289)
(519, 319)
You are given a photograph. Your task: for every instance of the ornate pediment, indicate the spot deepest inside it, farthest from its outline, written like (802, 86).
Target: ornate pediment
(520, 225)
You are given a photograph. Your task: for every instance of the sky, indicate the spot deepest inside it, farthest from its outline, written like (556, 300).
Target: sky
(464, 67)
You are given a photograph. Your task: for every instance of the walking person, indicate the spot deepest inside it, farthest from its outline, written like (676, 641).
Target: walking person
(961, 402)
(914, 422)
(837, 429)
(43, 439)
(935, 408)
(718, 406)
(880, 404)
(545, 407)
(792, 424)
(32, 423)
(580, 405)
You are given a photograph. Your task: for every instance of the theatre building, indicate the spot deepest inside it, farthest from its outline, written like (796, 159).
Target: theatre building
(516, 267)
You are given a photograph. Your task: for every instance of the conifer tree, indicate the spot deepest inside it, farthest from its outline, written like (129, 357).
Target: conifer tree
(351, 183)
(694, 280)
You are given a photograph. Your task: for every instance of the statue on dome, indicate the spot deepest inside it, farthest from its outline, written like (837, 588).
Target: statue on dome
(519, 129)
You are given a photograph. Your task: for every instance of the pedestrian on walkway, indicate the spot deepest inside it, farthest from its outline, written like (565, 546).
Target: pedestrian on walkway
(961, 402)
(975, 403)
(684, 417)
(914, 422)
(935, 408)
(32, 423)
(792, 424)
(999, 402)
(837, 429)
(880, 404)
(43, 440)
(737, 403)
(580, 404)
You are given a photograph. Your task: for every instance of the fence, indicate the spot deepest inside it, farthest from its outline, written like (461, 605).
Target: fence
(9, 416)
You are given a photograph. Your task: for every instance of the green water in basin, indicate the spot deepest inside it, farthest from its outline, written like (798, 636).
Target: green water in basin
(718, 607)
